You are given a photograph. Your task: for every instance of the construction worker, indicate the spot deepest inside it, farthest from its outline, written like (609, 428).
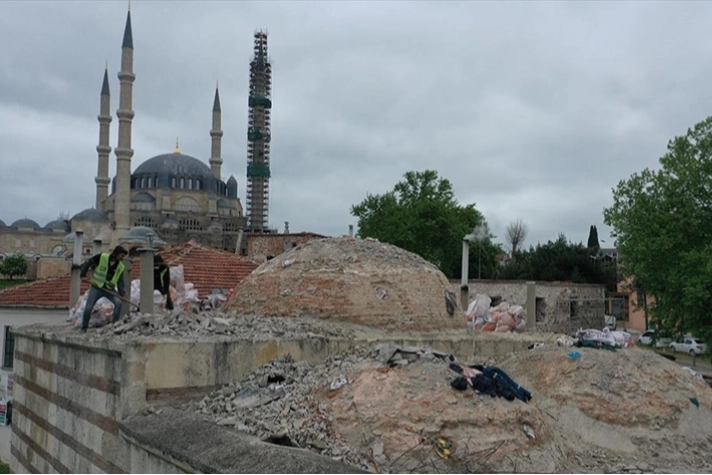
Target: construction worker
(162, 280)
(106, 281)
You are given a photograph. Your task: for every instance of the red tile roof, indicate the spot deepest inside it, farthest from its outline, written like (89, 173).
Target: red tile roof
(207, 268)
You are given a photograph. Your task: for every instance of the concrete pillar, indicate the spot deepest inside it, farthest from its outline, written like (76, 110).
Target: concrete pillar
(464, 288)
(351, 230)
(97, 247)
(75, 283)
(238, 244)
(147, 252)
(531, 306)
(128, 265)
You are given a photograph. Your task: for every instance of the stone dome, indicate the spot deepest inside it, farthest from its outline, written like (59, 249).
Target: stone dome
(25, 223)
(91, 214)
(2, 224)
(143, 198)
(71, 237)
(351, 281)
(170, 223)
(57, 225)
(174, 170)
(138, 235)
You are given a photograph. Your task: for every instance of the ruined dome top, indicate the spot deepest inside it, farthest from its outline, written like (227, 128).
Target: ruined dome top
(352, 281)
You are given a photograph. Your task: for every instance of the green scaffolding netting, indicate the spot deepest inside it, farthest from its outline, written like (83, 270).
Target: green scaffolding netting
(258, 170)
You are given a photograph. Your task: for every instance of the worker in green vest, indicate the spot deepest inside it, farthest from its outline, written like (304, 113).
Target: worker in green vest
(106, 281)
(162, 280)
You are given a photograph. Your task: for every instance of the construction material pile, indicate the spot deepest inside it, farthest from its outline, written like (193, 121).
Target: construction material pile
(350, 280)
(627, 411)
(504, 317)
(194, 325)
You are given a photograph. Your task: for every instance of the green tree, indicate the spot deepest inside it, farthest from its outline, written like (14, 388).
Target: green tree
(593, 238)
(560, 260)
(662, 222)
(14, 265)
(421, 215)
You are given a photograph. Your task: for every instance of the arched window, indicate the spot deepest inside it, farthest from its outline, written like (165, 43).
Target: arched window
(149, 182)
(190, 183)
(173, 182)
(182, 183)
(198, 184)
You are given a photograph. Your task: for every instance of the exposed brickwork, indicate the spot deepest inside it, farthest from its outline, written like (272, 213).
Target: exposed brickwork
(205, 267)
(262, 246)
(349, 280)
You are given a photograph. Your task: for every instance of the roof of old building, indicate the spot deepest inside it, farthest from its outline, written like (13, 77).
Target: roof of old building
(91, 214)
(207, 268)
(25, 223)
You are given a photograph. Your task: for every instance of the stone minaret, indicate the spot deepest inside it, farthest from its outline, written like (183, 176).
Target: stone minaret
(216, 135)
(102, 175)
(123, 150)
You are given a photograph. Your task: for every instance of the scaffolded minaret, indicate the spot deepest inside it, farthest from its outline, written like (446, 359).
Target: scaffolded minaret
(103, 149)
(258, 136)
(123, 150)
(216, 134)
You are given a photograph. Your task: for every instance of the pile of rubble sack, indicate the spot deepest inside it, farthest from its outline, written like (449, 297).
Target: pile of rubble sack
(504, 317)
(183, 294)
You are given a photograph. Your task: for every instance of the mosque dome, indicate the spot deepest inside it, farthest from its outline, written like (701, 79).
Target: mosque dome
(173, 170)
(25, 223)
(138, 235)
(71, 237)
(57, 224)
(169, 223)
(91, 214)
(2, 224)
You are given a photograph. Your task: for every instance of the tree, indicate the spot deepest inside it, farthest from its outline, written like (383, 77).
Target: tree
(560, 260)
(14, 265)
(662, 222)
(420, 215)
(516, 234)
(593, 238)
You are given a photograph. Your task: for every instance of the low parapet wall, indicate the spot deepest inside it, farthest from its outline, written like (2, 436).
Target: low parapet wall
(73, 392)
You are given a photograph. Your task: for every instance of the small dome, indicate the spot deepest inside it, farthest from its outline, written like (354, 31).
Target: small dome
(71, 237)
(2, 224)
(58, 225)
(224, 204)
(143, 198)
(232, 187)
(169, 223)
(91, 214)
(25, 223)
(137, 235)
(214, 224)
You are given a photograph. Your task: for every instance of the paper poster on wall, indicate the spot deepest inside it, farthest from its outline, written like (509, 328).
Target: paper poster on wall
(3, 414)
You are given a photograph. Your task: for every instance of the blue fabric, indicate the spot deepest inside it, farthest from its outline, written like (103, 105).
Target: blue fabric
(94, 295)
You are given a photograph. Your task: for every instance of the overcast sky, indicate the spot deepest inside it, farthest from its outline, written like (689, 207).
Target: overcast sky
(533, 110)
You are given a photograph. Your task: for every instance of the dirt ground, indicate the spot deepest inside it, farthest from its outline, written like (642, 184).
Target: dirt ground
(629, 411)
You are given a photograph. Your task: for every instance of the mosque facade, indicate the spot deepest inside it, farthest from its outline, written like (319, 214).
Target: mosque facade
(174, 196)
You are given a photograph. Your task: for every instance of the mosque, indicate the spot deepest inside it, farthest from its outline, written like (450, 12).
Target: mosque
(174, 196)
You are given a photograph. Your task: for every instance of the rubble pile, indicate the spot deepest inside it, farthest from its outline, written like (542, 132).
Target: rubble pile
(503, 317)
(351, 280)
(393, 409)
(179, 323)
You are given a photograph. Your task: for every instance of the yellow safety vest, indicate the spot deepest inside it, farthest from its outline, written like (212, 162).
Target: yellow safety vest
(98, 279)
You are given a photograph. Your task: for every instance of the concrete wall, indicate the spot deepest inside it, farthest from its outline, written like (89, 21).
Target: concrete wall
(11, 317)
(554, 308)
(53, 267)
(262, 246)
(72, 391)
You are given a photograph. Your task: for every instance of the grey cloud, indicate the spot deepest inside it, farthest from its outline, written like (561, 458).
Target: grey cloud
(534, 110)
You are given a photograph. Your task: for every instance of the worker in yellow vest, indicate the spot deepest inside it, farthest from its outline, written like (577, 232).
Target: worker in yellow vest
(106, 281)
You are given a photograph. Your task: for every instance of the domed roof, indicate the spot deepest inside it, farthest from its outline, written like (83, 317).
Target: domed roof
(138, 235)
(58, 224)
(2, 224)
(71, 237)
(174, 164)
(25, 223)
(223, 204)
(143, 198)
(91, 214)
(379, 285)
(214, 224)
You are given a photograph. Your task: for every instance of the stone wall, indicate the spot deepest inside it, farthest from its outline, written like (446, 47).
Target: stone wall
(260, 247)
(53, 267)
(555, 310)
(73, 392)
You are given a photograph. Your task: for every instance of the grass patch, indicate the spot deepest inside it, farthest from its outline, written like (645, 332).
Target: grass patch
(5, 283)
(4, 468)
